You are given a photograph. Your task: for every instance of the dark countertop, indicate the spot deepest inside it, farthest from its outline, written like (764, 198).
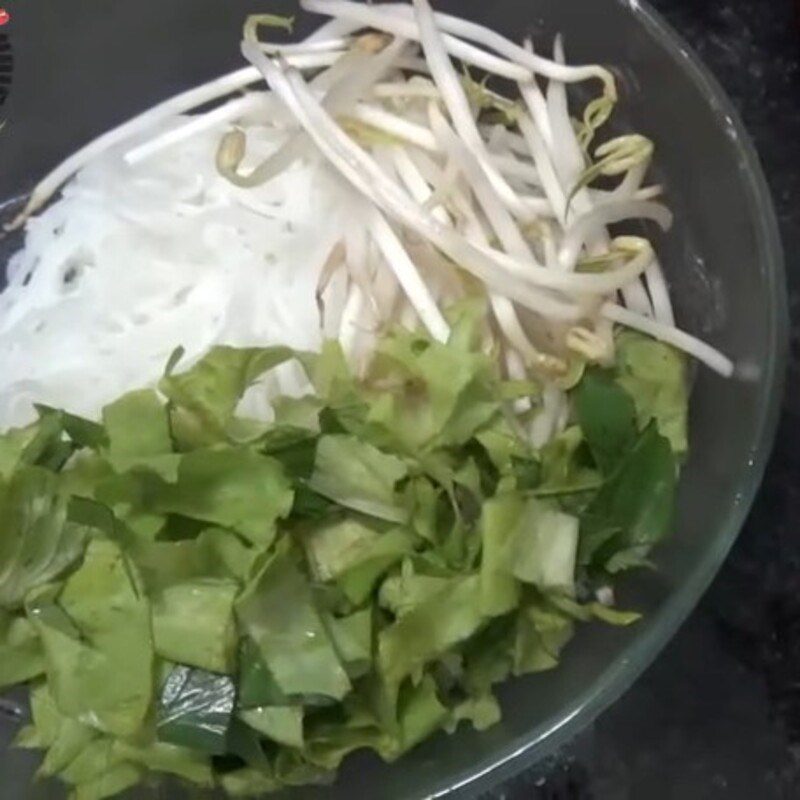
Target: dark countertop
(718, 714)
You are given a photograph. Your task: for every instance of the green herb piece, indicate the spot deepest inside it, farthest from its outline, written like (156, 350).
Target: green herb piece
(195, 710)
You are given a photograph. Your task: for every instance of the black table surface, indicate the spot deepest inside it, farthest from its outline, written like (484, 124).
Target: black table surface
(718, 714)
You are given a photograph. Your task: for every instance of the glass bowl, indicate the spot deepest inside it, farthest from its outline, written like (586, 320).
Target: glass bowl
(83, 66)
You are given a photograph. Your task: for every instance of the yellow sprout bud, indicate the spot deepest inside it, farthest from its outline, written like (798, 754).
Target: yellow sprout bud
(230, 152)
(588, 344)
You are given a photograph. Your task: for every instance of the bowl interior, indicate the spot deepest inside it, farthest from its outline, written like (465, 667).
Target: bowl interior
(722, 259)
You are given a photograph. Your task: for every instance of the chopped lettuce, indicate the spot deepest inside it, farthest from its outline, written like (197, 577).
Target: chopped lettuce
(358, 476)
(235, 488)
(138, 432)
(352, 638)
(204, 398)
(499, 589)
(546, 546)
(37, 541)
(429, 394)
(241, 605)
(541, 633)
(185, 762)
(655, 376)
(95, 628)
(282, 724)
(21, 653)
(194, 624)
(277, 611)
(433, 627)
(353, 554)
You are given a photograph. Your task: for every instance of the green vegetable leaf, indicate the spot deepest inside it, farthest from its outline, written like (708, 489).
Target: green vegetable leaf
(635, 507)
(403, 592)
(13, 446)
(277, 611)
(111, 782)
(93, 630)
(502, 443)
(281, 724)
(358, 476)
(428, 631)
(420, 713)
(248, 782)
(546, 547)
(37, 543)
(196, 709)
(43, 442)
(170, 759)
(500, 520)
(194, 624)
(138, 431)
(205, 397)
(245, 743)
(567, 466)
(529, 541)
(82, 432)
(330, 376)
(257, 686)
(295, 449)
(354, 554)
(335, 545)
(226, 555)
(482, 711)
(541, 633)
(352, 640)
(234, 487)
(654, 375)
(21, 653)
(607, 417)
(592, 611)
(429, 393)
